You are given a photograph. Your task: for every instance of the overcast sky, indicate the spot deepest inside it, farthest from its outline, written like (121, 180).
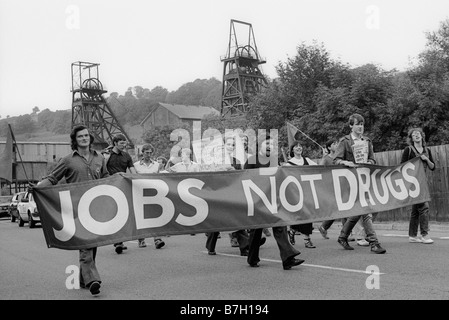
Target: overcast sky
(171, 42)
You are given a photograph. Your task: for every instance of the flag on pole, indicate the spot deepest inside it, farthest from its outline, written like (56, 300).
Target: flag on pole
(6, 158)
(292, 131)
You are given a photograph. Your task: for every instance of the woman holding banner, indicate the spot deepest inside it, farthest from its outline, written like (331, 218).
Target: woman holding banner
(297, 159)
(420, 212)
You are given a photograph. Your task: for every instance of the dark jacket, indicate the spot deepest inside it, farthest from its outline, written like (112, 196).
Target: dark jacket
(344, 149)
(411, 152)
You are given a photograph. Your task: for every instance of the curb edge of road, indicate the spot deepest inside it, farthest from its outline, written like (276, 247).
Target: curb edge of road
(397, 226)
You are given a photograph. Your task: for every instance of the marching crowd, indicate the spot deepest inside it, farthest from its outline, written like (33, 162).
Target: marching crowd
(354, 149)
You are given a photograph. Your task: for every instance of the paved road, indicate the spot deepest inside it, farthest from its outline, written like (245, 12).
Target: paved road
(183, 270)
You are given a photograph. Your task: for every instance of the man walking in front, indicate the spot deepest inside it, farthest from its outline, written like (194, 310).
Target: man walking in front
(83, 164)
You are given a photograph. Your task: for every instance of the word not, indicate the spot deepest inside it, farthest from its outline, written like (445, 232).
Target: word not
(249, 185)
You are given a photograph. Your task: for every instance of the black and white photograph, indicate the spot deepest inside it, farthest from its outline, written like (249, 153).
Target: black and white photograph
(224, 159)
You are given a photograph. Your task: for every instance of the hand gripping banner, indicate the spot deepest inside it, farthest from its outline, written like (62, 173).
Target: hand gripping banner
(125, 207)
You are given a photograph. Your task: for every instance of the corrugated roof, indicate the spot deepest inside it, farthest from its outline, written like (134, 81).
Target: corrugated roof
(189, 112)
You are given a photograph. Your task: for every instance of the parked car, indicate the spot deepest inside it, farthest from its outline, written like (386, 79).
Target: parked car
(28, 211)
(4, 204)
(12, 209)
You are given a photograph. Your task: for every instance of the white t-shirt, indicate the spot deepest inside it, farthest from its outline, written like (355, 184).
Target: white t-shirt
(182, 167)
(142, 167)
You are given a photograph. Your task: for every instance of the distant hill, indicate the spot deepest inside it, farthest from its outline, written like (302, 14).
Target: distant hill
(42, 136)
(134, 133)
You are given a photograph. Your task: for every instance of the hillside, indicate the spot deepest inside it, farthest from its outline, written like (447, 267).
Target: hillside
(42, 135)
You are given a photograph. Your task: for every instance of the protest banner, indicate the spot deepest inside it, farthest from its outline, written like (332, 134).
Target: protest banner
(125, 207)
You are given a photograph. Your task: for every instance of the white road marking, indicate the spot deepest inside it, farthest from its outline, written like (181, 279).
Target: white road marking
(406, 236)
(304, 264)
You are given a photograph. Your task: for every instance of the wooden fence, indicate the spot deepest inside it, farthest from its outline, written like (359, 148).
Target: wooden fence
(437, 180)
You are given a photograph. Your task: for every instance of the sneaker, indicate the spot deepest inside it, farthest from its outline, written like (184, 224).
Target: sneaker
(376, 248)
(323, 232)
(426, 239)
(234, 242)
(159, 243)
(344, 243)
(414, 240)
(94, 288)
(363, 243)
(309, 244)
(142, 244)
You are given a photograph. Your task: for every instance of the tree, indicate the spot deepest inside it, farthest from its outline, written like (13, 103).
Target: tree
(36, 109)
(196, 93)
(24, 124)
(158, 94)
(431, 80)
(159, 138)
(62, 122)
(293, 95)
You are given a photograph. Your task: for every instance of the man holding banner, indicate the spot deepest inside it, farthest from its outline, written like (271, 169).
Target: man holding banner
(352, 150)
(265, 158)
(83, 164)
